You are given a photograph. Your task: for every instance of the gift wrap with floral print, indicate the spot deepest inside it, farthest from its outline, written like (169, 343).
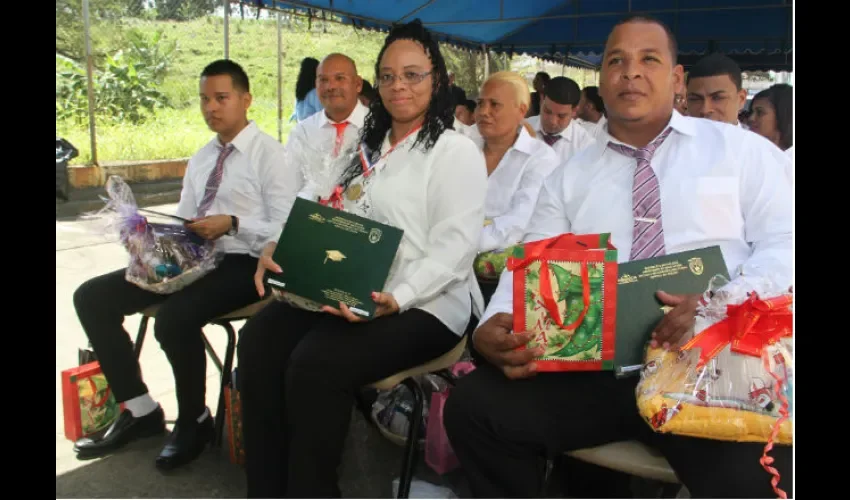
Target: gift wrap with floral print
(733, 380)
(88, 404)
(565, 291)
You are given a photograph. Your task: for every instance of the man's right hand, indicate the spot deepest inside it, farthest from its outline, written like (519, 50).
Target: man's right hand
(265, 264)
(497, 344)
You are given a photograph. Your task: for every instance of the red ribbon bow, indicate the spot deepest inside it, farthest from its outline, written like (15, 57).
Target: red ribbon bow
(335, 199)
(748, 327)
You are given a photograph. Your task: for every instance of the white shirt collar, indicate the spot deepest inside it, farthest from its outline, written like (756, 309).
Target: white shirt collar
(524, 143)
(680, 124)
(356, 118)
(566, 133)
(243, 138)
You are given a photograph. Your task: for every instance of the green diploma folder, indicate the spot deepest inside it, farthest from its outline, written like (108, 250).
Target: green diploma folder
(638, 309)
(329, 256)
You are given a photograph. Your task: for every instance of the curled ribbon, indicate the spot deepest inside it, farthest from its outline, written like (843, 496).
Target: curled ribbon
(766, 460)
(748, 327)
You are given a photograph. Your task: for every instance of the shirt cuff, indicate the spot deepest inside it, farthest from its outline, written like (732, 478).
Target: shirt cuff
(404, 296)
(492, 311)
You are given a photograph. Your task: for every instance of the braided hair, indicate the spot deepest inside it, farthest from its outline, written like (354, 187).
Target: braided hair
(438, 117)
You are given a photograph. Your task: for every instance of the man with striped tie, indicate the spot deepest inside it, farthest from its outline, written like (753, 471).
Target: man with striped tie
(660, 183)
(237, 190)
(555, 125)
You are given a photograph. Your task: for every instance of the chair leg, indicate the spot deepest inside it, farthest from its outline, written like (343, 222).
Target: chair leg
(211, 353)
(408, 464)
(226, 369)
(140, 337)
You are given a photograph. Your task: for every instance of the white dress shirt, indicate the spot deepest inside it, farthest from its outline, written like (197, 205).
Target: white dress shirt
(594, 128)
(258, 186)
(474, 135)
(311, 145)
(573, 139)
(437, 198)
(512, 191)
(790, 154)
(460, 127)
(720, 185)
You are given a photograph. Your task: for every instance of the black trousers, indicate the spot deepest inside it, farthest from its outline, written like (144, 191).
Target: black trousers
(503, 431)
(103, 302)
(299, 372)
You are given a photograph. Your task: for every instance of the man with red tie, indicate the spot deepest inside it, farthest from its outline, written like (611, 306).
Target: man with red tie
(237, 191)
(322, 145)
(659, 183)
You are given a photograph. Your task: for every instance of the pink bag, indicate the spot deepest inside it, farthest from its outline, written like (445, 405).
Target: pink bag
(438, 451)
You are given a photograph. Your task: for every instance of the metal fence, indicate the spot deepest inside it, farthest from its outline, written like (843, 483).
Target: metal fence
(127, 70)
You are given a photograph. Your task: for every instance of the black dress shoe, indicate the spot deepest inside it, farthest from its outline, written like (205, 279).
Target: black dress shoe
(185, 443)
(126, 428)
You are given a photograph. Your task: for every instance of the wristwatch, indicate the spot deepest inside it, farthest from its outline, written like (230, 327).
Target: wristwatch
(234, 226)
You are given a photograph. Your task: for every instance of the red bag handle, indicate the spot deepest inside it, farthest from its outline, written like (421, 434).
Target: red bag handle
(549, 300)
(103, 400)
(533, 251)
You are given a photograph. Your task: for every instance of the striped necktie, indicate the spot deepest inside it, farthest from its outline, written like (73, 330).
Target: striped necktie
(550, 139)
(648, 231)
(214, 180)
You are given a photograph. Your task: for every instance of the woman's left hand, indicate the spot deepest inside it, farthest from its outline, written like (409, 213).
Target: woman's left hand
(386, 306)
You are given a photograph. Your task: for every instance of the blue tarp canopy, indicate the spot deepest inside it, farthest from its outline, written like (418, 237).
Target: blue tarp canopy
(756, 33)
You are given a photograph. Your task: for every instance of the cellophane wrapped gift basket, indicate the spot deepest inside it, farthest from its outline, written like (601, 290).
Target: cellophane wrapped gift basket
(164, 258)
(734, 379)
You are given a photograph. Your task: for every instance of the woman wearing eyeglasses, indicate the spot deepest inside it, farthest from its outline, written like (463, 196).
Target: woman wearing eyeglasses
(299, 370)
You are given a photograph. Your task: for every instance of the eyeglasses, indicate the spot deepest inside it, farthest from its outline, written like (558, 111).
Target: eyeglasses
(407, 78)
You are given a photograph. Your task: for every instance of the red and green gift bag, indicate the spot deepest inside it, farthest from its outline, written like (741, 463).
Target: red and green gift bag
(87, 402)
(565, 292)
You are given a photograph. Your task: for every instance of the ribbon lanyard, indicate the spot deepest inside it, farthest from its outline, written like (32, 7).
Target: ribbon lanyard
(368, 166)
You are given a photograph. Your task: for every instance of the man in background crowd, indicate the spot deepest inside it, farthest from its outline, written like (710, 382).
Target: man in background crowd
(715, 89)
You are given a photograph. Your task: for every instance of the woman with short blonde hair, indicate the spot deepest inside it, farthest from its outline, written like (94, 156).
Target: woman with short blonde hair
(517, 163)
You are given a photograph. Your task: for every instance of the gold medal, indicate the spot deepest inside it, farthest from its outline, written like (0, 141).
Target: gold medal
(354, 192)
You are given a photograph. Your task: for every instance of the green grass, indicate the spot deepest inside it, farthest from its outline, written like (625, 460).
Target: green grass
(181, 131)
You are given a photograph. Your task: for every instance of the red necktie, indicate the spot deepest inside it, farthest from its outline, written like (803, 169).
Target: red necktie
(340, 131)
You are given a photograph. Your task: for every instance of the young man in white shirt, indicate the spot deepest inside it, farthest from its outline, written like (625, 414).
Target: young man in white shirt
(555, 125)
(237, 191)
(590, 112)
(716, 186)
(315, 145)
(715, 89)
